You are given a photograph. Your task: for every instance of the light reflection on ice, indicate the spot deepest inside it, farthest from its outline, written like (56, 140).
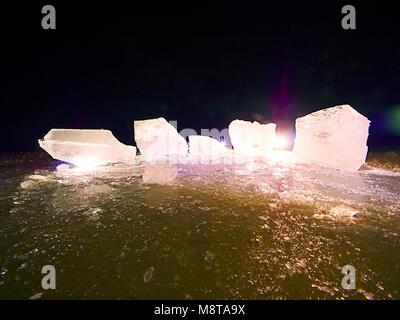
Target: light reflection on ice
(321, 188)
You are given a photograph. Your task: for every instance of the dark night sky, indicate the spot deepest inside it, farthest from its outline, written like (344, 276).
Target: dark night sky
(109, 64)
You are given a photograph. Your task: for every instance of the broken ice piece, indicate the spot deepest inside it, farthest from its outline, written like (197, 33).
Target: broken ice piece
(335, 137)
(205, 148)
(344, 211)
(159, 174)
(157, 139)
(27, 184)
(36, 296)
(252, 138)
(86, 148)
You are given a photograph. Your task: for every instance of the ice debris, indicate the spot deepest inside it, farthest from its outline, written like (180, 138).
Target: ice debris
(36, 296)
(38, 177)
(33, 181)
(86, 148)
(344, 211)
(335, 137)
(148, 275)
(157, 139)
(252, 138)
(27, 184)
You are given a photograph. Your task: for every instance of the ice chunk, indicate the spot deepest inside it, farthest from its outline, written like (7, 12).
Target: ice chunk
(27, 184)
(205, 148)
(335, 137)
(86, 148)
(157, 139)
(159, 174)
(344, 211)
(36, 296)
(252, 138)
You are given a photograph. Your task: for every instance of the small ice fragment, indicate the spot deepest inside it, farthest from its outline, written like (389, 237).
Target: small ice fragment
(93, 213)
(37, 177)
(205, 148)
(36, 296)
(157, 139)
(159, 174)
(252, 138)
(148, 275)
(86, 147)
(96, 210)
(27, 184)
(344, 211)
(63, 167)
(335, 137)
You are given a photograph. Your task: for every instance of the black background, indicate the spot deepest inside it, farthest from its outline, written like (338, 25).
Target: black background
(202, 64)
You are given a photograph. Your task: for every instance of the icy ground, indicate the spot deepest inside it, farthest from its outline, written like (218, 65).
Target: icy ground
(257, 230)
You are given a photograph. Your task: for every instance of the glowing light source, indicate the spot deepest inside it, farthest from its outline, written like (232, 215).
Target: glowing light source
(280, 156)
(280, 142)
(86, 164)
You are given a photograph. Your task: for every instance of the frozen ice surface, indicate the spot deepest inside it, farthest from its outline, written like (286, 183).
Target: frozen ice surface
(157, 140)
(252, 138)
(86, 147)
(206, 149)
(335, 137)
(229, 225)
(159, 174)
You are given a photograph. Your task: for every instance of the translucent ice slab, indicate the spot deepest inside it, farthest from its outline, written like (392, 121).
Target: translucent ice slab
(86, 148)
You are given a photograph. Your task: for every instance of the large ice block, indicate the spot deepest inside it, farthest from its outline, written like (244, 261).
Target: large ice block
(86, 147)
(205, 148)
(335, 137)
(157, 139)
(252, 138)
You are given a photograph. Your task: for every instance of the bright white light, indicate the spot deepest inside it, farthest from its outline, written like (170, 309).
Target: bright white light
(279, 156)
(86, 164)
(280, 142)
